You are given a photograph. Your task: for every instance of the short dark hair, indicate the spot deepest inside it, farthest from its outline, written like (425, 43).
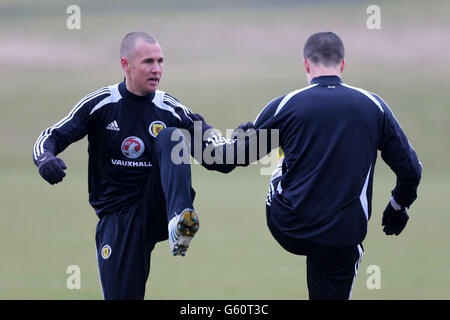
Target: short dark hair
(128, 46)
(325, 48)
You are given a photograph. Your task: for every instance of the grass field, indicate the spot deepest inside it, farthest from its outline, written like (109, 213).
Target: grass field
(225, 61)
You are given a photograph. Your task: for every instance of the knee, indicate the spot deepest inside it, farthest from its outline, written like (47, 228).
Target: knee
(169, 137)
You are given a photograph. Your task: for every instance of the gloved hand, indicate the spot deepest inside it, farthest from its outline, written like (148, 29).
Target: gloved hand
(242, 128)
(394, 221)
(51, 168)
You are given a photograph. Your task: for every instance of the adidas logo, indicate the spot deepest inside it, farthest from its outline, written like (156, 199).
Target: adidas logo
(113, 126)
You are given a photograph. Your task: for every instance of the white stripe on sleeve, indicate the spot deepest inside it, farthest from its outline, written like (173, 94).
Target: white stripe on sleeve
(39, 145)
(367, 94)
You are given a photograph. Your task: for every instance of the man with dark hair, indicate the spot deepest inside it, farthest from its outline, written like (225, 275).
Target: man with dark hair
(139, 193)
(320, 196)
(324, 48)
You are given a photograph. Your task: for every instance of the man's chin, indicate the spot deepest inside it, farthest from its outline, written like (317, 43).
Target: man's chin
(148, 90)
(152, 88)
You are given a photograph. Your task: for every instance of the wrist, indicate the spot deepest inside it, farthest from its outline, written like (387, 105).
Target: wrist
(397, 206)
(44, 157)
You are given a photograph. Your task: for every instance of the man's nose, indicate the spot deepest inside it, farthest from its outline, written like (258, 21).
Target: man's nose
(156, 68)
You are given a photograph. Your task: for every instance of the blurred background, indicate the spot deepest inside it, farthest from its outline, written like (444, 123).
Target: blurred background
(225, 60)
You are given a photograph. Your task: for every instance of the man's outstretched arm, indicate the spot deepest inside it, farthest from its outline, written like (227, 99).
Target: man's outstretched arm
(248, 143)
(216, 152)
(58, 137)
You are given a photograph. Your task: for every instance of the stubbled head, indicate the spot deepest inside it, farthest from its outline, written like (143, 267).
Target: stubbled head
(142, 59)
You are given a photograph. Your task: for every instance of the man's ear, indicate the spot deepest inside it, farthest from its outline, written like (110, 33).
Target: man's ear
(341, 68)
(306, 64)
(124, 64)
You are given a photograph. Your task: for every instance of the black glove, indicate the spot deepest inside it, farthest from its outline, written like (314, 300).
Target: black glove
(51, 168)
(394, 221)
(242, 128)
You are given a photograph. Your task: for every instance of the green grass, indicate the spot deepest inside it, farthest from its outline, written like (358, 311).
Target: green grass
(232, 257)
(225, 62)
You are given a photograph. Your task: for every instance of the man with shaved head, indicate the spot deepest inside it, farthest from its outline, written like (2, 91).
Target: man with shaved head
(136, 54)
(139, 193)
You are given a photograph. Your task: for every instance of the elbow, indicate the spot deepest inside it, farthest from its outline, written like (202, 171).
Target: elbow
(419, 172)
(417, 176)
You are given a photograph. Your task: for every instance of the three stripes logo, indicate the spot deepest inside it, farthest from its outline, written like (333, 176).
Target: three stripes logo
(113, 126)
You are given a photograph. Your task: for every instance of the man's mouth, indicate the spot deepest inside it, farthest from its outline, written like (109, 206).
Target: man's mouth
(153, 80)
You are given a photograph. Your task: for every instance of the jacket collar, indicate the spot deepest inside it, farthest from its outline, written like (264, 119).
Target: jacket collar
(131, 96)
(326, 80)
